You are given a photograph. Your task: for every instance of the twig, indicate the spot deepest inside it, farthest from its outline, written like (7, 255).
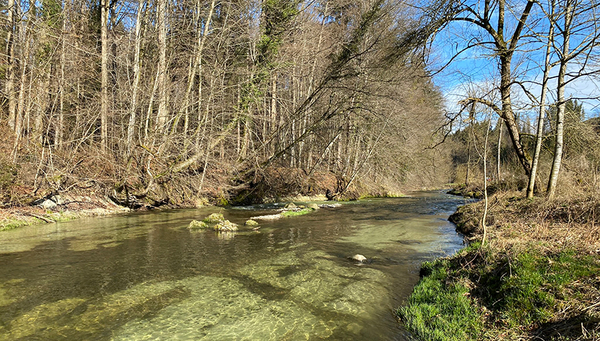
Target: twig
(41, 217)
(592, 306)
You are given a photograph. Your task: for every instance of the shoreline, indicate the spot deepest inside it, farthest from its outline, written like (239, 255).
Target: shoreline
(537, 277)
(71, 207)
(58, 209)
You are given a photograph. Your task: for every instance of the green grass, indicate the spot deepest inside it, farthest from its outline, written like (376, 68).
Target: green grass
(441, 310)
(513, 293)
(297, 213)
(530, 295)
(13, 224)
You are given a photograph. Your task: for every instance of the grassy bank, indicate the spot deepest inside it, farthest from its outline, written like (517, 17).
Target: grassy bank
(537, 277)
(16, 217)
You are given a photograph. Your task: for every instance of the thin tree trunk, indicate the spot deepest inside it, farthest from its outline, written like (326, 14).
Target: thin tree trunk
(485, 192)
(199, 54)
(161, 19)
(498, 154)
(10, 63)
(542, 112)
(560, 113)
(195, 64)
(150, 104)
(136, 77)
(61, 115)
(104, 65)
(21, 112)
(273, 109)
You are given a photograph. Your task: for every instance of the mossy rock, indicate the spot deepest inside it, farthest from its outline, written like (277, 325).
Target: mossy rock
(296, 212)
(214, 218)
(226, 226)
(195, 224)
(251, 222)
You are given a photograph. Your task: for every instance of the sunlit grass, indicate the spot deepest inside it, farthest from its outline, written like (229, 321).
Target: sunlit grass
(487, 292)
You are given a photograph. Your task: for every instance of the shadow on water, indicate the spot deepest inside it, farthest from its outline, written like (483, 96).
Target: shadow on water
(144, 276)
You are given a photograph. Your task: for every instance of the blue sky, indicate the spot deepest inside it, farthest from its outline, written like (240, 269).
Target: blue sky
(477, 68)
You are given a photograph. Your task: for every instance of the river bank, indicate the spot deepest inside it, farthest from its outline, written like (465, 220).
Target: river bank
(25, 201)
(536, 277)
(57, 209)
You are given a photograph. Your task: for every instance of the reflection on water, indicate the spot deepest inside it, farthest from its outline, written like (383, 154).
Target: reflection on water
(144, 276)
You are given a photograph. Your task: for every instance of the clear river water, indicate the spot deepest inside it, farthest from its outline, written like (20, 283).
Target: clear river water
(145, 276)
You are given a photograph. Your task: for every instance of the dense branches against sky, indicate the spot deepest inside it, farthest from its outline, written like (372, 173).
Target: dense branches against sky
(159, 87)
(473, 54)
(516, 61)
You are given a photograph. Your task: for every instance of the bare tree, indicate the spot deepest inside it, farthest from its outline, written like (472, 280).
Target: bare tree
(104, 108)
(490, 17)
(542, 106)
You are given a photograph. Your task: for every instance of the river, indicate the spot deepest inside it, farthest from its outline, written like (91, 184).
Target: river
(145, 276)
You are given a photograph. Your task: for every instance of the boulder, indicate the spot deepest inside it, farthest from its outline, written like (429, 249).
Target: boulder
(251, 222)
(195, 224)
(291, 206)
(226, 226)
(214, 218)
(313, 206)
(359, 258)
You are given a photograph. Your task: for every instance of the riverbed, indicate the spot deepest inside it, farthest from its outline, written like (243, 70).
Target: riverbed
(145, 276)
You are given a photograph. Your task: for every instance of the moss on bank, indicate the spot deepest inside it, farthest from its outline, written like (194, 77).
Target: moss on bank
(521, 285)
(27, 218)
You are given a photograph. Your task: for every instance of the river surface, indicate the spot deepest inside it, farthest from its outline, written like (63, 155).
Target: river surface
(145, 276)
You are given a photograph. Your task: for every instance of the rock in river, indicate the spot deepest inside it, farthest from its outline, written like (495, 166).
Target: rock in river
(359, 258)
(226, 226)
(214, 218)
(195, 224)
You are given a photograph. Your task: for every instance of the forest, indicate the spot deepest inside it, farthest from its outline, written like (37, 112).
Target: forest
(211, 99)
(154, 103)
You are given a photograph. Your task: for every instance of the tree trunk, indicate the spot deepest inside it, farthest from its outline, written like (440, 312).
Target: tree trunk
(20, 108)
(199, 55)
(61, 115)
(560, 114)
(10, 64)
(136, 77)
(542, 111)
(161, 19)
(104, 65)
(498, 154)
(508, 115)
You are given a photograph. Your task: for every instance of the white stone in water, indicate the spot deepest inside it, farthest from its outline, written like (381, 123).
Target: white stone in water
(359, 258)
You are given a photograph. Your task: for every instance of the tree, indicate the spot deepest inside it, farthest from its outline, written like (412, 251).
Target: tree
(542, 105)
(576, 20)
(481, 16)
(104, 104)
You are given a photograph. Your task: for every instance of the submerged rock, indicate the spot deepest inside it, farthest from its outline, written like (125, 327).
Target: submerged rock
(268, 217)
(226, 226)
(195, 224)
(214, 218)
(330, 205)
(251, 222)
